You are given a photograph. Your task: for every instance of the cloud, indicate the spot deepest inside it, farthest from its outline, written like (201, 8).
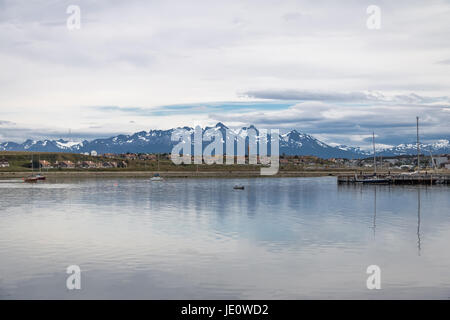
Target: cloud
(444, 61)
(308, 95)
(343, 122)
(6, 123)
(173, 63)
(362, 97)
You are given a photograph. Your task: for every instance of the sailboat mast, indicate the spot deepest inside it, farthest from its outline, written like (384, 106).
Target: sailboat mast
(418, 145)
(374, 154)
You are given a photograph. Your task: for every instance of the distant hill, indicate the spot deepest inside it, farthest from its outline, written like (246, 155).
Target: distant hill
(159, 141)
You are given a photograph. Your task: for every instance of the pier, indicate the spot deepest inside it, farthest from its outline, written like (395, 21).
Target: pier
(396, 179)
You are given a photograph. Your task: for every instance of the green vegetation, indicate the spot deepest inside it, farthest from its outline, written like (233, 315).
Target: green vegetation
(21, 162)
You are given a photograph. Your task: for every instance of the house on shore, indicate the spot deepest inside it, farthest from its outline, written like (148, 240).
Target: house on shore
(65, 164)
(151, 157)
(129, 156)
(109, 164)
(44, 164)
(4, 164)
(442, 161)
(109, 155)
(88, 164)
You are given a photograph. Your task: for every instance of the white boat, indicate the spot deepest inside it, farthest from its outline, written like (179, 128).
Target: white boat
(156, 177)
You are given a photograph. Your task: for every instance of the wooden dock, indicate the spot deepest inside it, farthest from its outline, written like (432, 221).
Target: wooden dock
(396, 179)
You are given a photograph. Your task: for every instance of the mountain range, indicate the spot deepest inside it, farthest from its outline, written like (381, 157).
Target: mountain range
(159, 141)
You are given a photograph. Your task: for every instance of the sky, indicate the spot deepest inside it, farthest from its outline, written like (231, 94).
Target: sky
(314, 66)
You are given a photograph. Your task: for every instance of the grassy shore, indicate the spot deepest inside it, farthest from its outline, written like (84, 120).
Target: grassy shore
(20, 166)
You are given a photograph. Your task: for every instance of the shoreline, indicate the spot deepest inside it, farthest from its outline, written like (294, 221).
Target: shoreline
(173, 174)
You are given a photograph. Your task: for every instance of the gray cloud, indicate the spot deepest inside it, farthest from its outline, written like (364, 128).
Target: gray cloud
(444, 61)
(6, 123)
(153, 54)
(344, 119)
(307, 95)
(20, 134)
(362, 97)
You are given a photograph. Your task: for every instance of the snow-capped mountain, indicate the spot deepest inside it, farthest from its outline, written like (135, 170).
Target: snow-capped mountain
(439, 147)
(159, 141)
(296, 143)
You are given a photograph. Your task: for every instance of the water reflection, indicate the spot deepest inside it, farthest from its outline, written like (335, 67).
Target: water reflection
(418, 221)
(374, 210)
(200, 238)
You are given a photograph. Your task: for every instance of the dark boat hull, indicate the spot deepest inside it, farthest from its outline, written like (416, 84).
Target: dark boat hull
(375, 181)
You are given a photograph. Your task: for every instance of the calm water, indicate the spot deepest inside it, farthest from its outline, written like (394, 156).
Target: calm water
(288, 238)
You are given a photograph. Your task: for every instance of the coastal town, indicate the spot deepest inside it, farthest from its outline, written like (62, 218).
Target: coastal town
(143, 161)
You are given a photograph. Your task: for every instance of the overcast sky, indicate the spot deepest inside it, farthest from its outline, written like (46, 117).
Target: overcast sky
(310, 65)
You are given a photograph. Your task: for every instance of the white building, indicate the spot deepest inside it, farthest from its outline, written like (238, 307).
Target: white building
(93, 153)
(440, 161)
(391, 161)
(4, 164)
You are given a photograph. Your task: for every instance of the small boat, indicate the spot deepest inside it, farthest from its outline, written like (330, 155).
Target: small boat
(30, 179)
(156, 177)
(40, 177)
(373, 180)
(239, 187)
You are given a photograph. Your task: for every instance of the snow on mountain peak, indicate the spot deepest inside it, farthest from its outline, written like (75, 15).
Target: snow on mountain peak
(67, 144)
(291, 143)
